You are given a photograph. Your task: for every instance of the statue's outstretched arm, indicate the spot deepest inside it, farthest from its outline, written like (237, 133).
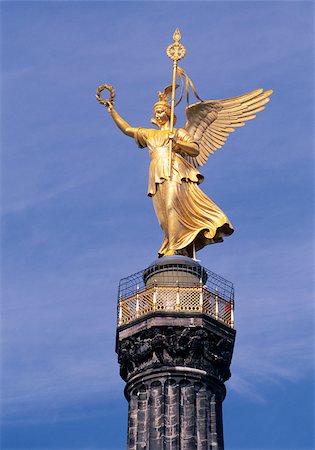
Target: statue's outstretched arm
(121, 123)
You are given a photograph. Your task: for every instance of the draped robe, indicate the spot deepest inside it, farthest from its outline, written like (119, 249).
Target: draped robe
(186, 215)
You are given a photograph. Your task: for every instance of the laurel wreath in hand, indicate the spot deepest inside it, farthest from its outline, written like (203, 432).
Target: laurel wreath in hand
(109, 103)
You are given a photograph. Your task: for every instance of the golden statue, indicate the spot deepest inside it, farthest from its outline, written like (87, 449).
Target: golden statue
(188, 218)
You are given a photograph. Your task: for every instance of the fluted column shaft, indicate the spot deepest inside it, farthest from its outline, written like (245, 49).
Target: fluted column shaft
(174, 413)
(175, 367)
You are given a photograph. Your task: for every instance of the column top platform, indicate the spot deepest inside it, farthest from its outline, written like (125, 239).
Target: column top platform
(175, 284)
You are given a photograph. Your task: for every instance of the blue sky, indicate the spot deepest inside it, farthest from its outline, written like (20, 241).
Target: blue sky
(76, 219)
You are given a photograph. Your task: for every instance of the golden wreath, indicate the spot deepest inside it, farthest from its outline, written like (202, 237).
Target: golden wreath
(108, 102)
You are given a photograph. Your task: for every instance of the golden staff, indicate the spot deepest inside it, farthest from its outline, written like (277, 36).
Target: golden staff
(175, 52)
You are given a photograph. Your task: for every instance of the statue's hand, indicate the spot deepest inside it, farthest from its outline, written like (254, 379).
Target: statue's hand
(110, 106)
(173, 136)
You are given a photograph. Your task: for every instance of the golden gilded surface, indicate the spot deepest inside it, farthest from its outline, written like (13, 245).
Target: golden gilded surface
(188, 218)
(176, 299)
(108, 102)
(176, 51)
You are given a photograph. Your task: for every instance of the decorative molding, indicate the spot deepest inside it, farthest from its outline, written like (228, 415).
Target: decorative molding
(192, 347)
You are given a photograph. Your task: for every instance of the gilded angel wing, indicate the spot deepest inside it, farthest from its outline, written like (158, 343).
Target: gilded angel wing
(210, 122)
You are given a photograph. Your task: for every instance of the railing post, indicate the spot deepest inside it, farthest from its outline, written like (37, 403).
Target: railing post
(120, 318)
(137, 303)
(154, 295)
(200, 295)
(216, 304)
(177, 297)
(232, 313)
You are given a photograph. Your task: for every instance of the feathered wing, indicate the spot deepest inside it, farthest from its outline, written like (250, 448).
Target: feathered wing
(210, 122)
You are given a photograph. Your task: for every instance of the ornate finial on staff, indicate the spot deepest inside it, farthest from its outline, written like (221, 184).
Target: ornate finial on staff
(175, 52)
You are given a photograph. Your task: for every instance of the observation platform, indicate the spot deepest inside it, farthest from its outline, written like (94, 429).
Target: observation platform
(175, 284)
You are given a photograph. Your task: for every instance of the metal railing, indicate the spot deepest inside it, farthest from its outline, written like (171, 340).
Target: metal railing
(206, 297)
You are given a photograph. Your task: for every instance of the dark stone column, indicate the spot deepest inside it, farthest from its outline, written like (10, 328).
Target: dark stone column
(156, 417)
(172, 414)
(132, 420)
(175, 366)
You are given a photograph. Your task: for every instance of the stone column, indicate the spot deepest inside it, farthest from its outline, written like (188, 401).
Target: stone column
(175, 368)
(174, 351)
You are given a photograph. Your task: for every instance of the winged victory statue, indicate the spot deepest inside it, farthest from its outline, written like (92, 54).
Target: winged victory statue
(187, 216)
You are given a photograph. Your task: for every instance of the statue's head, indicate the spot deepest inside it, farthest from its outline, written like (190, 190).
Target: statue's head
(162, 109)
(162, 113)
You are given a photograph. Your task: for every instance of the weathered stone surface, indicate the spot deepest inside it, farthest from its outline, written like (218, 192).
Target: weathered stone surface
(175, 367)
(206, 345)
(175, 413)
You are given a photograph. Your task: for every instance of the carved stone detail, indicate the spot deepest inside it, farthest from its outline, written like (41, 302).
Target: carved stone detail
(194, 347)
